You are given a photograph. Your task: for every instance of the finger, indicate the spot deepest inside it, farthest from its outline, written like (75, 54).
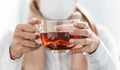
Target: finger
(25, 28)
(28, 49)
(77, 15)
(85, 41)
(79, 50)
(26, 35)
(82, 25)
(34, 21)
(63, 27)
(29, 43)
(80, 32)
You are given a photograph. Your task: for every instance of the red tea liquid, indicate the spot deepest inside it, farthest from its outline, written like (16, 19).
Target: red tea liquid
(57, 40)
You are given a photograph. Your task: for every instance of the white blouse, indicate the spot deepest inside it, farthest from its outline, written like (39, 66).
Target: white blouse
(104, 58)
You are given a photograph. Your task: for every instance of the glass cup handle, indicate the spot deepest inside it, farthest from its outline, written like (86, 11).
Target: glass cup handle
(38, 29)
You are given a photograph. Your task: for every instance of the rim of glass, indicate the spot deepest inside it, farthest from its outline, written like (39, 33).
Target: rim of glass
(55, 20)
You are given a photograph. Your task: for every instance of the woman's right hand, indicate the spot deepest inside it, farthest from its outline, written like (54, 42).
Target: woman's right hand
(23, 41)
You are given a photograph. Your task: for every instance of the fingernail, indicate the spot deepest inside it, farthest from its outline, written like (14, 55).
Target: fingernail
(36, 20)
(71, 41)
(37, 36)
(38, 45)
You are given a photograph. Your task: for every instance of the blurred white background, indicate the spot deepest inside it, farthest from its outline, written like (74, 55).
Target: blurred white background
(106, 12)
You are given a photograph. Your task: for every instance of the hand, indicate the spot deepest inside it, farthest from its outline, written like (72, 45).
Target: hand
(23, 41)
(88, 43)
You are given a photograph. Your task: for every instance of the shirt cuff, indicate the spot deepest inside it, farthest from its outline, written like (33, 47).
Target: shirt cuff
(8, 64)
(99, 57)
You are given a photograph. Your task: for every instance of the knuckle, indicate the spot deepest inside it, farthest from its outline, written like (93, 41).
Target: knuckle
(16, 34)
(17, 42)
(19, 26)
(87, 32)
(17, 31)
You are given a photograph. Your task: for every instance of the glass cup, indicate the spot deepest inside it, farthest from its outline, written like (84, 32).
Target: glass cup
(55, 38)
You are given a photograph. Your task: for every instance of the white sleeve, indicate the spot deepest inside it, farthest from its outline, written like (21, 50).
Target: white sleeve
(106, 56)
(101, 59)
(6, 63)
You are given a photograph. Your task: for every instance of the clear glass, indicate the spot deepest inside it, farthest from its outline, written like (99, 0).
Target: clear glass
(56, 38)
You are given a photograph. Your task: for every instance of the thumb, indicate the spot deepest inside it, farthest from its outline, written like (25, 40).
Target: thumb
(34, 21)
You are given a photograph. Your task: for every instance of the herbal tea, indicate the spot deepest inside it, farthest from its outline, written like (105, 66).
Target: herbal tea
(57, 40)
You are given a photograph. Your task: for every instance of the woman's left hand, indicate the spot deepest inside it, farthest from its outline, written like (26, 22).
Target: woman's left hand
(87, 44)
